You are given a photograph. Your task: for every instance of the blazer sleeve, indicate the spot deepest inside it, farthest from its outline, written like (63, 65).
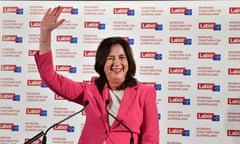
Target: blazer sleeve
(150, 127)
(60, 84)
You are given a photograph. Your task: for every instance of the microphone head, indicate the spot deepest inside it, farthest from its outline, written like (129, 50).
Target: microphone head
(86, 103)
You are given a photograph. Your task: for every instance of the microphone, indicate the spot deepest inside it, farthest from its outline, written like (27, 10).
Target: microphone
(120, 122)
(44, 134)
(44, 140)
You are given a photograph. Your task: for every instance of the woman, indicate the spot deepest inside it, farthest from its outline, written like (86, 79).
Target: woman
(119, 106)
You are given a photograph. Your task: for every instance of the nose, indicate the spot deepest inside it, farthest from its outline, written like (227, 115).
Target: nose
(116, 62)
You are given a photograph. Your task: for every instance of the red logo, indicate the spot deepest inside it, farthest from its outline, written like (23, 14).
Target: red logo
(57, 97)
(91, 24)
(207, 25)
(6, 126)
(32, 52)
(8, 67)
(10, 9)
(7, 95)
(206, 86)
(9, 38)
(64, 38)
(176, 70)
(38, 141)
(63, 68)
(234, 101)
(120, 10)
(206, 55)
(148, 25)
(178, 10)
(34, 24)
(89, 53)
(148, 55)
(207, 116)
(67, 9)
(234, 10)
(175, 99)
(233, 133)
(176, 131)
(234, 71)
(234, 40)
(36, 111)
(177, 39)
(34, 82)
(63, 127)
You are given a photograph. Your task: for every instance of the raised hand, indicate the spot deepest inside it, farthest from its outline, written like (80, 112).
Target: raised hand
(50, 20)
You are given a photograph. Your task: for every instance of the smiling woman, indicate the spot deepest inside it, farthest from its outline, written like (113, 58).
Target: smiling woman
(116, 68)
(123, 68)
(114, 92)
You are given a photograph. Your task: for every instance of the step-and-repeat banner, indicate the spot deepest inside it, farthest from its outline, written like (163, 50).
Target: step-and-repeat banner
(189, 51)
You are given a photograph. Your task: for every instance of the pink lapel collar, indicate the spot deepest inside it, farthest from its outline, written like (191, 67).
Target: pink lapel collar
(128, 98)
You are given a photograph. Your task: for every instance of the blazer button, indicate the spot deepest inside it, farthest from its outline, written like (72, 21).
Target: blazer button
(106, 132)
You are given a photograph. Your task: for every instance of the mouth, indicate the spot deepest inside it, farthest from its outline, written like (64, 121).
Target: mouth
(116, 69)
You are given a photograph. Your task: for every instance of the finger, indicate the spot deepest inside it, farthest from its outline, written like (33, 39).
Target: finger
(47, 12)
(54, 11)
(59, 11)
(59, 22)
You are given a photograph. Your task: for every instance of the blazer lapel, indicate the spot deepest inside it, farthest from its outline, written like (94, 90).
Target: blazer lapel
(126, 103)
(105, 97)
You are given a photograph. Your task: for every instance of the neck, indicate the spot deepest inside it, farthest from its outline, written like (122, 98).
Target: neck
(114, 86)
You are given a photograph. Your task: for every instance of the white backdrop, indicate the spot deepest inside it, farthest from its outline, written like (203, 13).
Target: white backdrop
(189, 51)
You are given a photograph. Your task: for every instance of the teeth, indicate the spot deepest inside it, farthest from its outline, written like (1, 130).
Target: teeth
(114, 68)
(118, 69)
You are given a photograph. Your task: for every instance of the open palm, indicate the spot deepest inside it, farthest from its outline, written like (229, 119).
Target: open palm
(50, 20)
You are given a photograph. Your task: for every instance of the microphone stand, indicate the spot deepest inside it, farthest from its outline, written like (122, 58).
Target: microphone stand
(44, 134)
(131, 139)
(124, 125)
(36, 137)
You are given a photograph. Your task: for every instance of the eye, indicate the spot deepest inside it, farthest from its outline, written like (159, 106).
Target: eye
(122, 58)
(110, 58)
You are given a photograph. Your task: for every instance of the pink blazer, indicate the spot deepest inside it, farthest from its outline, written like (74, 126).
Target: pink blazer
(138, 108)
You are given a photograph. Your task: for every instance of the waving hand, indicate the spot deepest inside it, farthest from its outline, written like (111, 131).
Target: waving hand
(49, 22)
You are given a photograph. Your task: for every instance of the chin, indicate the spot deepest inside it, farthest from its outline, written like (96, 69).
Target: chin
(118, 78)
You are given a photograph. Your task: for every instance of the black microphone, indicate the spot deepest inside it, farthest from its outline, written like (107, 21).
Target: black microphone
(120, 122)
(44, 134)
(44, 140)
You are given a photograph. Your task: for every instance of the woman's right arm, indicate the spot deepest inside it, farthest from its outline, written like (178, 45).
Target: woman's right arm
(61, 85)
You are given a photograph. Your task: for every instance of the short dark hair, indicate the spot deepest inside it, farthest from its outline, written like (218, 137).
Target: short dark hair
(103, 51)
